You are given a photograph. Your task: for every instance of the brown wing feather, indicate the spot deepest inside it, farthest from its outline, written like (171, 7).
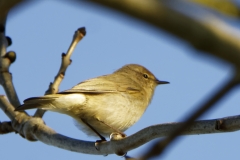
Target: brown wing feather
(103, 84)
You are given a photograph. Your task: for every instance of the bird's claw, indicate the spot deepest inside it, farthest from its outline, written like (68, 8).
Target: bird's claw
(98, 142)
(117, 136)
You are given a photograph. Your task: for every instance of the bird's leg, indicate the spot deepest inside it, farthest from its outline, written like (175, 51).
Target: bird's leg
(116, 130)
(117, 135)
(103, 139)
(95, 131)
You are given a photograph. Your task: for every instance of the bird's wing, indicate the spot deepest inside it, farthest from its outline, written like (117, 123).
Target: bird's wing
(97, 85)
(103, 85)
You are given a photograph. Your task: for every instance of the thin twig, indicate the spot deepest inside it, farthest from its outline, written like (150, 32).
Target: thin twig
(7, 108)
(161, 145)
(5, 62)
(66, 61)
(6, 59)
(18, 119)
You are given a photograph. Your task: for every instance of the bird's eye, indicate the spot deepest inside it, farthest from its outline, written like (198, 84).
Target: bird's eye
(145, 75)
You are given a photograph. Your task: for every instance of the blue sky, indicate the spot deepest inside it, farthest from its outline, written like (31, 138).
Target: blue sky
(42, 31)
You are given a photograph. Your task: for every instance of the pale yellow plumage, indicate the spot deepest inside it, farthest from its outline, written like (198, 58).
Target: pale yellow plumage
(105, 104)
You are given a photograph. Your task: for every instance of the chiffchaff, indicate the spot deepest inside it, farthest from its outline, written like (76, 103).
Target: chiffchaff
(106, 104)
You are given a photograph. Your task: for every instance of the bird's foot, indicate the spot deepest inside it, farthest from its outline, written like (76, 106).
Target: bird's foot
(117, 136)
(98, 142)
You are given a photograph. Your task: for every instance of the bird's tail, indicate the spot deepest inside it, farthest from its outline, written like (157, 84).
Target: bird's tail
(37, 102)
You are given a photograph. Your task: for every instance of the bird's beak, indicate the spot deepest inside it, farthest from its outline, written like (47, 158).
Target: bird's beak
(161, 82)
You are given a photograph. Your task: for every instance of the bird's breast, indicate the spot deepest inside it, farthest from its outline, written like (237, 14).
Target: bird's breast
(119, 110)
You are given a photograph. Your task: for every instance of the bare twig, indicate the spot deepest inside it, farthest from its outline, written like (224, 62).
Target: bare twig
(5, 62)
(18, 119)
(66, 61)
(6, 127)
(6, 80)
(161, 145)
(7, 108)
(6, 58)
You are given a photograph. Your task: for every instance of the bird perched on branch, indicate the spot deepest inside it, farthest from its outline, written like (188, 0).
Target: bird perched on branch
(104, 105)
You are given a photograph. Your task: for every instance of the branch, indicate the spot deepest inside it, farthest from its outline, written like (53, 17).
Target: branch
(229, 8)
(6, 59)
(5, 62)
(66, 61)
(6, 127)
(205, 36)
(5, 6)
(6, 77)
(33, 128)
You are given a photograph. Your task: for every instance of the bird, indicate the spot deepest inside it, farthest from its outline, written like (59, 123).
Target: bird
(103, 105)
